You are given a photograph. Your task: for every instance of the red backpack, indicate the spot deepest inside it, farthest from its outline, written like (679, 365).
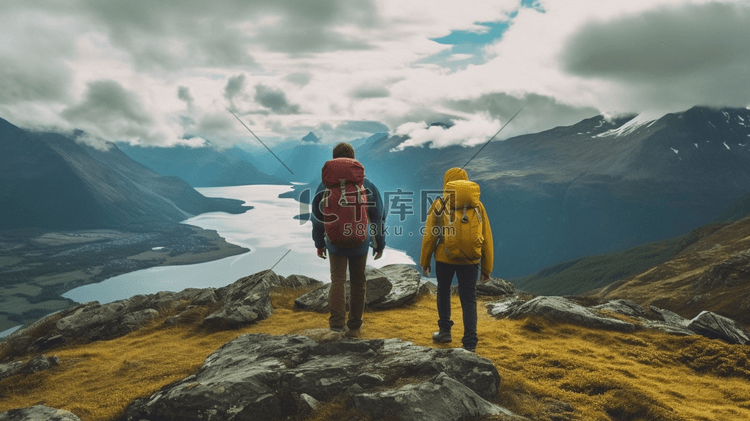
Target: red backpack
(344, 203)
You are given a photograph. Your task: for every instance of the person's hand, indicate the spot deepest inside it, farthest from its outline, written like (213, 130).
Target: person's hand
(378, 254)
(322, 253)
(485, 277)
(426, 270)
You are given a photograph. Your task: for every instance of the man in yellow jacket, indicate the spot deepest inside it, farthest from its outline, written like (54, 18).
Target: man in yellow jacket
(465, 268)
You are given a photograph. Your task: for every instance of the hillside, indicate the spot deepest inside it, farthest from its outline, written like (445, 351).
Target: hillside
(549, 370)
(712, 273)
(593, 272)
(52, 181)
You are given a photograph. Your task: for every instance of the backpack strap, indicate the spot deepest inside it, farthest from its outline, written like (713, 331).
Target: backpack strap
(342, 185)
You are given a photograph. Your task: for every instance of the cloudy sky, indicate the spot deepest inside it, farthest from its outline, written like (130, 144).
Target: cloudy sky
(164, 72)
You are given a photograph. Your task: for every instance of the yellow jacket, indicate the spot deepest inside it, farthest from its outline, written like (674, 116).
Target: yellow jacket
(431, 243)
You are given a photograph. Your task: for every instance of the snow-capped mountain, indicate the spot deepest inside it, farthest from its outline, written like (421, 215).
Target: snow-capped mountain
(601, 185)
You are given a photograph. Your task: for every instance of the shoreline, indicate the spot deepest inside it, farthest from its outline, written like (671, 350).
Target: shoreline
(36, 269)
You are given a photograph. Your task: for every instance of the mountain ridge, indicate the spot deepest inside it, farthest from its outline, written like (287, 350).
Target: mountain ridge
(50, 180)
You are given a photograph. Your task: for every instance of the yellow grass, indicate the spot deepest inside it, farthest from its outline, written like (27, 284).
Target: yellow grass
(602, 375)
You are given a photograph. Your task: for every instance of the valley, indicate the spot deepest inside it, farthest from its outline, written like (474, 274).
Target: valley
(37, 267)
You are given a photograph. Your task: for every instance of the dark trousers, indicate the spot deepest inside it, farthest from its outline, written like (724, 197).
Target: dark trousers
(357, 289)
(467, 292)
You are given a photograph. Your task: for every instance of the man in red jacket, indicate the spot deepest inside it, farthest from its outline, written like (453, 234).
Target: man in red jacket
(365, 199)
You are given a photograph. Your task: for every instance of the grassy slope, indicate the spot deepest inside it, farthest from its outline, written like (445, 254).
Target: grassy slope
(602, 375)
(593, 272)
(708, 275)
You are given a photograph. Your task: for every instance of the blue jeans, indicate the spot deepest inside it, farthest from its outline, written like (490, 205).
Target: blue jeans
(467, 292)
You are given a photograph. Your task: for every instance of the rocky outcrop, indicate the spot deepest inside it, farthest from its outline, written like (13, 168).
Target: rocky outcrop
(715, 326)
(245, 302)
(241, 303)
(38, 413)
(706, 323)
(264, 377)
(388, 287)
(562, 309)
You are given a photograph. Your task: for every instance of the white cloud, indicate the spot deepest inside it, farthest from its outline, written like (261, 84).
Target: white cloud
(317, 65)
(477, 130)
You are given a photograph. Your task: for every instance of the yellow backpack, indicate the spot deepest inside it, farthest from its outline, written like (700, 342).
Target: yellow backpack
(461, 221)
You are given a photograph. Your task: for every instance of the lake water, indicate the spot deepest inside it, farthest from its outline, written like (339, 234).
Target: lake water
(269, 230)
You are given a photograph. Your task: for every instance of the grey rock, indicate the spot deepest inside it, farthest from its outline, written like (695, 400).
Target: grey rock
(504, 307)
(562, 309)
(299, 281)
(204, 297)
(379, 285)
(48, 342)
(625, 307)
(439, 399)
(428, 286)
(670, 317)
(262, 377)
(715, 326)
(36, 364)
(495, 287)
(10, 369)
(315, 300)
(665, 327)
(307, 404)
(38, 413)
(246, 301)
(101, 322)
(405, 281)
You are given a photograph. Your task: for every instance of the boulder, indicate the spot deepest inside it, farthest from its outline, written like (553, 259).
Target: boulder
(263, 377)
(562, 309)
(245, 302)
(404, 287)
(447, 400)
(315, 300)
(38, 413)
(93, 321)
(10, 369)
(40, 363)
(495, 287)
(715, 326)
(379, 286)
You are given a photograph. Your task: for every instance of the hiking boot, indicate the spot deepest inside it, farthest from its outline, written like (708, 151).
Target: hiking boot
(442, 337)
(352, 334)
(470, 349)
(337, 329)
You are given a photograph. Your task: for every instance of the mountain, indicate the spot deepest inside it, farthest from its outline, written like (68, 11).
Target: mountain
(305, 161)
(200, 167)
(48, 180)
(709, 274)
(599, 186)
